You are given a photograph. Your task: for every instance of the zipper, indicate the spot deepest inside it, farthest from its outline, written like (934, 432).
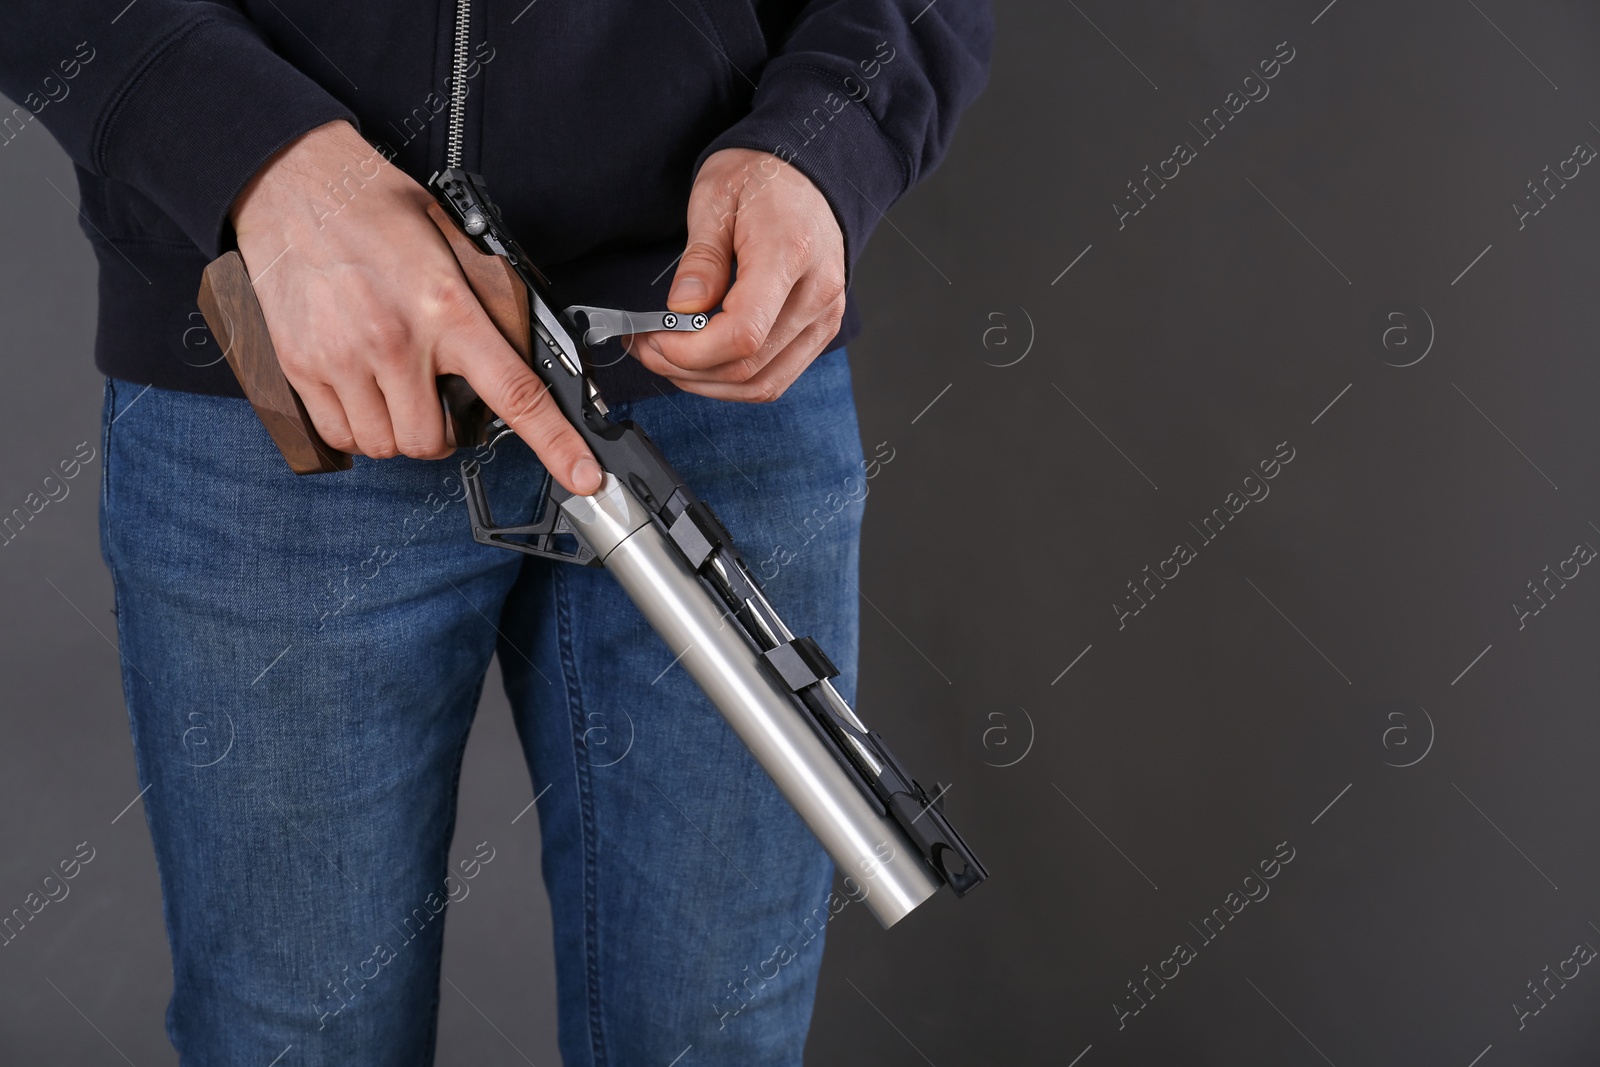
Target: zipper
(458, 86)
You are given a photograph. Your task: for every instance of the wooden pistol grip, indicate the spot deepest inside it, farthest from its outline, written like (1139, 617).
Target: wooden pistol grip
(505, 299)
(228, 302)
(494, 283)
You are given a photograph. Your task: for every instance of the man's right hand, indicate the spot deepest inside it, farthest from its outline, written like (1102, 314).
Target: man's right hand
(367, 307)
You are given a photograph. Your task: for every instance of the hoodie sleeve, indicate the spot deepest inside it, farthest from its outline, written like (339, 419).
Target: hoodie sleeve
(183, 100)
(863, 96)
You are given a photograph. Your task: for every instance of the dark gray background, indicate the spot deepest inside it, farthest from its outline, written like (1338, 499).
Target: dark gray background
(1358, 618)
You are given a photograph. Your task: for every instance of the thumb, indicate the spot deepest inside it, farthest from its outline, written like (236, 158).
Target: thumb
(702, 277)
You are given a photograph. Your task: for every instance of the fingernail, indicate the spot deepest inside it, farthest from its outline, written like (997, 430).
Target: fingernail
(687, 288)
(586, 475)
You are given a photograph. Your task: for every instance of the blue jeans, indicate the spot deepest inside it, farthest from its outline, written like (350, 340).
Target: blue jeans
(302, 659)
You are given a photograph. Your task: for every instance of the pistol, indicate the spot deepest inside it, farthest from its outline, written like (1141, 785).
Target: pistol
(662, 543)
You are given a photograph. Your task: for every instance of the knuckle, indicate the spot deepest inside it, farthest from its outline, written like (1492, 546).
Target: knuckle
(746, 339)
(452, 301)
(759, 392)
(796, 251)
(386, 335)
(704, 253)
(720, 194)
(421, 445)
(830, 291)
(827, 326)
(384, 449)
(526, 398)
(745, 369)
(298, 364)
(390, 357)
(343, 440)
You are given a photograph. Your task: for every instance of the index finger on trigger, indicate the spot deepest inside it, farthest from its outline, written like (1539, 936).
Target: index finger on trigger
(517, 395)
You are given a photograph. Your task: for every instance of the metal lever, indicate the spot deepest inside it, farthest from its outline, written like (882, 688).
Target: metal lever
(606, 323)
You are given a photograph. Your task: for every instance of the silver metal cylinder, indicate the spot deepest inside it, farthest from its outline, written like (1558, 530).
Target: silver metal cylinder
(869, 848)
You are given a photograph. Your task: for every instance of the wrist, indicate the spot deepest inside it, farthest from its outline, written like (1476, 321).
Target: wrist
(302, 165)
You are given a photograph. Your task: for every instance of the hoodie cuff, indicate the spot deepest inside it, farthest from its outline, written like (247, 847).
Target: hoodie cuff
(201, 116)
(803, 116)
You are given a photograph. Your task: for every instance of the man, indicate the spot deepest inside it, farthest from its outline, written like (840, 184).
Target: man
(336, 630)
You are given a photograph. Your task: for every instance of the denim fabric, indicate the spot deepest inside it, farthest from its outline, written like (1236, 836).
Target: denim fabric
(302, 660)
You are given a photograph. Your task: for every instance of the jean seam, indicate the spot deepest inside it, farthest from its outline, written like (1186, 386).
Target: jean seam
(109, 401)
(126, 670)
(431, 1038)
(584, 783)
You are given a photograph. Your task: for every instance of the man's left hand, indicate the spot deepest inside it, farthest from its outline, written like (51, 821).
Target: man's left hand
(789, 297)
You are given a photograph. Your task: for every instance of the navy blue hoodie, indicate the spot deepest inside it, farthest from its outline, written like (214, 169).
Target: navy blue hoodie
(587, 118)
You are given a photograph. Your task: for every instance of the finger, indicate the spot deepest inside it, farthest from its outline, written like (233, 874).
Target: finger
(411, 395)
(778, 375)
(364, 406)
(810, 301)
(514, 393)
(768, 272)
(701, 280)
(328, 417)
